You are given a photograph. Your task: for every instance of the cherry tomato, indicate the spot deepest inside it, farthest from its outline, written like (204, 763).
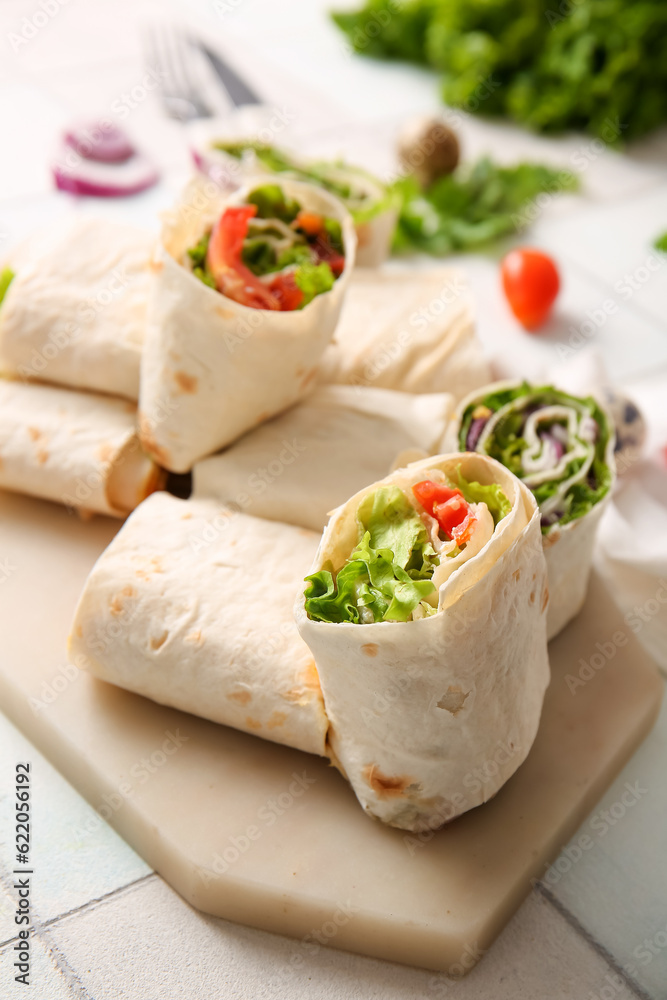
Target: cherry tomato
(531, 283)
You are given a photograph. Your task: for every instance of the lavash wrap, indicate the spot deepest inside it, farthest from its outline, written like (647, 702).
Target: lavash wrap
(191, 606)
(212, 368)
(303, 463)
(410, 330)
(568, 548)
(76, 448)
(75, 312)
(419, 709)
(375, 214)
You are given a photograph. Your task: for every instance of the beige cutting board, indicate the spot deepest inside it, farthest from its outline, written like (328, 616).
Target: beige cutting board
(274, 838)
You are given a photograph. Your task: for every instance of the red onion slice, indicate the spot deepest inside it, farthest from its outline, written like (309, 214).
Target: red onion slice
(103, 180)
(102, 142)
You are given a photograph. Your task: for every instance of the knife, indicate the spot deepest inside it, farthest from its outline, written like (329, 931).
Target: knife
(238, 90)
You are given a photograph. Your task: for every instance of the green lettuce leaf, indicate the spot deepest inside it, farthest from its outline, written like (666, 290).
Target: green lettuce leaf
(388, 574)
(259, 256)
(596, 65)
(475, 205)
(6, 278)
(298, 254)
(330, 176)
(492, 495)
(506, 445)
(313, 279)
(273, 203)
(200, 268)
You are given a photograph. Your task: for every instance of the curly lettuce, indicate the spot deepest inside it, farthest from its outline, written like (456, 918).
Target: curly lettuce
(492, 495)
(364, 195)
(588, 472)
(389, 572)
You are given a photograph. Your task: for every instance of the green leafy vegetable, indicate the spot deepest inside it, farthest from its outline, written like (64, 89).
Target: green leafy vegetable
(492, 495)
(313, 279)
(259, 255)
(200, 268)
(298, 254)
(273, 159)
(473, 206)
(660, 244)
(273, 203)
(388, 574)
(364, 194)
(6, 278)
(506, 444)
(596, 65)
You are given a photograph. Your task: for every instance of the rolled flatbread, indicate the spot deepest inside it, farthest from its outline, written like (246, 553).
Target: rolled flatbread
(430, 713)
(562, 447)
(407, 330)
(191, 606)
(76, 448)
(75, 314)
(213, 368)
(300, 465)
(232, 149)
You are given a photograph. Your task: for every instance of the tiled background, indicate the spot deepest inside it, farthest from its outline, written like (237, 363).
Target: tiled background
(107, 926)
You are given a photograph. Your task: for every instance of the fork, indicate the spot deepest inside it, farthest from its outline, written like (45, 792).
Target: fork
(171, 52)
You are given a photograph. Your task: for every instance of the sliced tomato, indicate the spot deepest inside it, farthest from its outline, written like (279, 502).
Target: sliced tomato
(286, 291)
(449, 507)
(429, 494)
(232, 277)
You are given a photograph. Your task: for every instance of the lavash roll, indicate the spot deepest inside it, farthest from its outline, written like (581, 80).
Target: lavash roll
(191, 606)
(75, 312)
(373, 207)
(410, 330)
(568, 548)
(76, 448)
(303, 463)
(212, 368)
(471, 677)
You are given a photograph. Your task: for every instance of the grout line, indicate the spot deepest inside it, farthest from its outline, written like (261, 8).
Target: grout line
(633, 986)
(59, 961)
(41, 926)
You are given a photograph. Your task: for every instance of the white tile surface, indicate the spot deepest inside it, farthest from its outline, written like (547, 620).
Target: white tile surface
(176, 951)
(47, 981)
(144, 941)
(615, 243)
(7, 907)
(617, 887)
(75, 855)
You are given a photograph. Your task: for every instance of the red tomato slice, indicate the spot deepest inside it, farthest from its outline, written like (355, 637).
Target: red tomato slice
(286, 291)
(531, 283)
(429, 494)
(232, 277)
(449, 507)
(451, 514)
